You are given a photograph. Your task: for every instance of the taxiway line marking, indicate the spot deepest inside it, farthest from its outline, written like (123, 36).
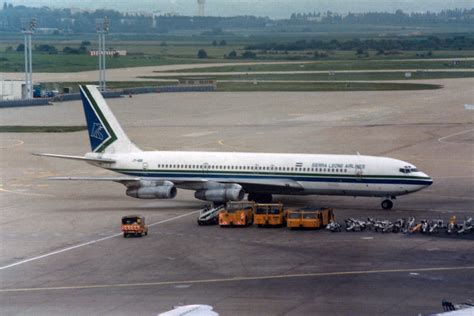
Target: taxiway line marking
(88, 243)
(24, 193)
(18, 143)
(236, 279)
(441, 140)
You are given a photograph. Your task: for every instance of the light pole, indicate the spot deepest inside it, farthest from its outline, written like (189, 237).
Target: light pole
(28, 28)
(102, 28)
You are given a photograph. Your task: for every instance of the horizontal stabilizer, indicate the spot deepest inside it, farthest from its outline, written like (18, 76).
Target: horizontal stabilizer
(105, 160)
(127, 181)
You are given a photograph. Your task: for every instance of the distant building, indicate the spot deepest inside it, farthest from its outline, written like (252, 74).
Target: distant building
(47, 30)
(11, 89)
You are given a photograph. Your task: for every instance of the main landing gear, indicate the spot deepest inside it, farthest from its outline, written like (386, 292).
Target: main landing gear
(387, 204)
(260, 197)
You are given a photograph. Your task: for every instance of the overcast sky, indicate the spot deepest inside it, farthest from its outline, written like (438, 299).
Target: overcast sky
(271, 8)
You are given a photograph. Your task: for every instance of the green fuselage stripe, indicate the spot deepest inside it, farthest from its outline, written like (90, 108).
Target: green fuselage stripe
(278, 174)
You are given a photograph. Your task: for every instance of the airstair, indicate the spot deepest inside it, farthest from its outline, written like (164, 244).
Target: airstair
(209, 215)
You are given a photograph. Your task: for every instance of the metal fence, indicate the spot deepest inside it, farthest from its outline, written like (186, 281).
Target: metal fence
(21, 103)
(108, 94)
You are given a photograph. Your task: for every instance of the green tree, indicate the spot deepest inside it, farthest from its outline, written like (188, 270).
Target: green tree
(249, 55)
(232, 54)
(20, 48)
(45, 48)
(202, 53)
(223, 43)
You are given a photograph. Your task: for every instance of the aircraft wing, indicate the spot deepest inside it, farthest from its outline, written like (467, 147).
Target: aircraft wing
(280, 185)
(191, 310)
(458, 312)
(127, 181)
(249, 185)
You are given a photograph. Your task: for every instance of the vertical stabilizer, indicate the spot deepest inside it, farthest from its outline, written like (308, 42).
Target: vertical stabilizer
(105, 133)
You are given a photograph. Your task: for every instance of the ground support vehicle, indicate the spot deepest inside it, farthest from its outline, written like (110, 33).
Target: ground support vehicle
(209, 215)
(237, 214)
(334, 226)
(134, 225)
(466, 227)
(269, 215)
(309, 218)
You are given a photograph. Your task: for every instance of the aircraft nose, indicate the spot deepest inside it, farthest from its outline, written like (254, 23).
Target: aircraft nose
(429, 180)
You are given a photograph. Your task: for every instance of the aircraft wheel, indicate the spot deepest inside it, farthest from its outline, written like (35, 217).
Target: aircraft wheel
(387, 204)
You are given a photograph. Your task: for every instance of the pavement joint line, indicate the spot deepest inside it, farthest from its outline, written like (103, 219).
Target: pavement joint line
(239, 279)
(88, 243)
(441, 140)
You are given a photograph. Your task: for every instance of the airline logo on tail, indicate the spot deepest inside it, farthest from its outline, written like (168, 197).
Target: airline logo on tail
(97, 131)
(101, 135)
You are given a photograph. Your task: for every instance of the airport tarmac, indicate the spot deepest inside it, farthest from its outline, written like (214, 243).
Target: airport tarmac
(61, 251)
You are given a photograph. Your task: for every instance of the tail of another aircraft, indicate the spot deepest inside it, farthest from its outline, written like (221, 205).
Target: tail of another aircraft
(105, 133)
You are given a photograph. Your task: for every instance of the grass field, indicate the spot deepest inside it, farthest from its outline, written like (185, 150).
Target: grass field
(321, 86)
(265, 86)
(13, 62)
(339, 76)
(40, 129)
(184, 51)
(74, 86)
(333, 65)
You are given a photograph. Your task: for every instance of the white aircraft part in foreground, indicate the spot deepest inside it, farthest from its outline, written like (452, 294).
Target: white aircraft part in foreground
(191, 310)
(228, 176)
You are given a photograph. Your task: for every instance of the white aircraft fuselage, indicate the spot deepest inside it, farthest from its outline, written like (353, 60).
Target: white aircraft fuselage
(301, 174)
(228, 176)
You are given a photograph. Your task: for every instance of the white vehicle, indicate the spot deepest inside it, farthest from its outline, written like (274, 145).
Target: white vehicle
(228, 176)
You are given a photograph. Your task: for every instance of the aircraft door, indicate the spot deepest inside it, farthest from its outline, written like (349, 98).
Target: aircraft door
(205, 167)
(359, 171)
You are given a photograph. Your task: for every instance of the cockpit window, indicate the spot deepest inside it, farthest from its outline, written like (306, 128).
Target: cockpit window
(408, 169)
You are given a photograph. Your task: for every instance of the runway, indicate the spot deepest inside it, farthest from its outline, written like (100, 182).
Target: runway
(62, 253)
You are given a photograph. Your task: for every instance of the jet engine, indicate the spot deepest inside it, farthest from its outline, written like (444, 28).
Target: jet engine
(231, 193)
(164, 191)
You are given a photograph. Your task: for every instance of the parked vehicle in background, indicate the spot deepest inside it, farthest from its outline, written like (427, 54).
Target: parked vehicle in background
(269, 215)
(134, 225)
(237, 214)
(309, 218)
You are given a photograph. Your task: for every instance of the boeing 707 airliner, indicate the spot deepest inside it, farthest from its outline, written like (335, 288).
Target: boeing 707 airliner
(228, 176)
